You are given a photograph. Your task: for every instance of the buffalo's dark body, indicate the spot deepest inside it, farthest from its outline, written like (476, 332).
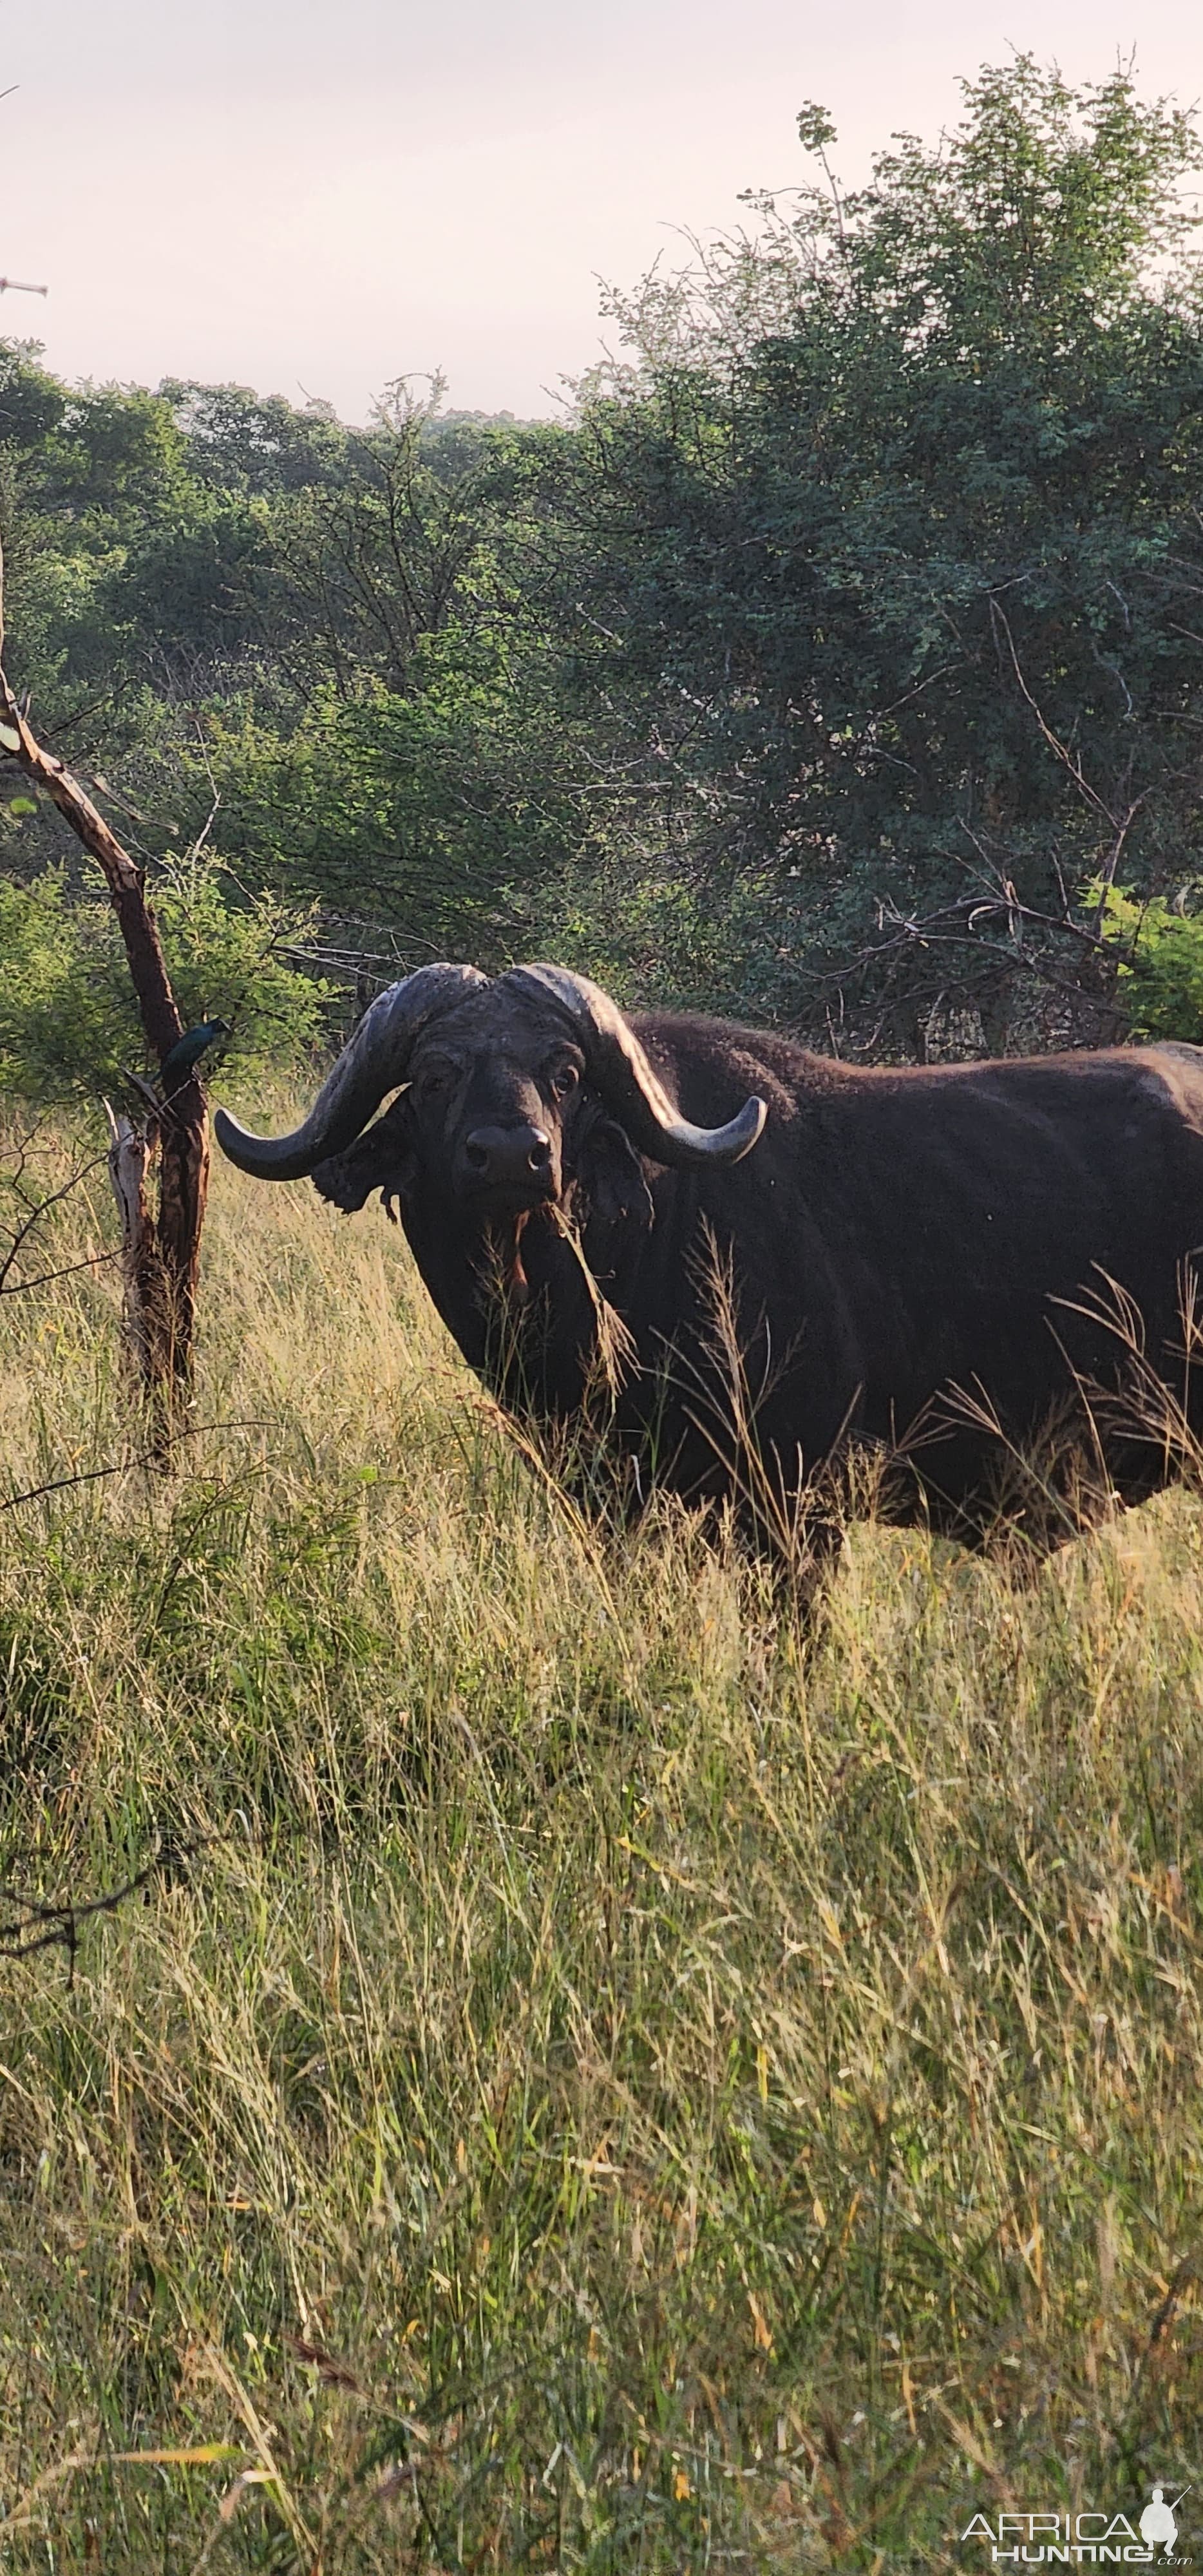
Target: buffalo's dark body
(895, 1234)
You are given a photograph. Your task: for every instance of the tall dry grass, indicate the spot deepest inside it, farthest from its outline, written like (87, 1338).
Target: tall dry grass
(621, 2083)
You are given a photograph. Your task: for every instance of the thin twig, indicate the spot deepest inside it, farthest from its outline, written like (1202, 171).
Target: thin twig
(125, 1466)
(37, 1925)
(36, 1213)
(46, 1278)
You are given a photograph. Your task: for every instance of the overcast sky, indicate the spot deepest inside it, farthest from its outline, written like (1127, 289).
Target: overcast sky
(316, 199)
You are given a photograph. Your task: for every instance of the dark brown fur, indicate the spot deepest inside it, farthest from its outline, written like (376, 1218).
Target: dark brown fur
(902, 1244)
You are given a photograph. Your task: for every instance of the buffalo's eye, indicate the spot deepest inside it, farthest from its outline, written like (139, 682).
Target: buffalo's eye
(435, 1081)
(564, 1080)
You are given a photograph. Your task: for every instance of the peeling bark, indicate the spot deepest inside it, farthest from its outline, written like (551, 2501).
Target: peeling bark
(129, 1159)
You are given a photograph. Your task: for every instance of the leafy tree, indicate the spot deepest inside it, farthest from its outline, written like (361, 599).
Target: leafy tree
(843, 633)
(895, 503)
(69, 1025)
(242, 443)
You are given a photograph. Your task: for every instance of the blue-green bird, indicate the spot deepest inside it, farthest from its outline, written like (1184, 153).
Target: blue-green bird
(188, 1050)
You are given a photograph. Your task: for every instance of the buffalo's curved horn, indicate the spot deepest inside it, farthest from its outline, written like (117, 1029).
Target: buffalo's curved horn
(374, 1060)
(621, 1072)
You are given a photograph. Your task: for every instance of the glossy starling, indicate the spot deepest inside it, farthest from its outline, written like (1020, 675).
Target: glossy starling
(188, 1050)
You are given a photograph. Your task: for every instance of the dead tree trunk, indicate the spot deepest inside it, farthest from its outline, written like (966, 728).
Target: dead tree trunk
(161, 1279)
(141, 1269)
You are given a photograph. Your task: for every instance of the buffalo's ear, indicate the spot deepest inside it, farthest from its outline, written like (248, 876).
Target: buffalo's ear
(383, 1159)
(610, 1177)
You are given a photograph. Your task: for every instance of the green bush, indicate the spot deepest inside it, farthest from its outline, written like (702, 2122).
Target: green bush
(1160, 977)
(69, 1022)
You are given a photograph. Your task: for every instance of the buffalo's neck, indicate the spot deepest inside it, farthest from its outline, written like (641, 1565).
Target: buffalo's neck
(532, 1328)
(517, 1302)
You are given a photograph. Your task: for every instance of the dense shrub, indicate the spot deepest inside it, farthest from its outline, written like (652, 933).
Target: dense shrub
(68, 1018)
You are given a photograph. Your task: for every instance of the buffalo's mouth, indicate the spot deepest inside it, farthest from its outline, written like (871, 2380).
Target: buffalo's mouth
(502, 1215)
(504, 1237)
(498, 1201)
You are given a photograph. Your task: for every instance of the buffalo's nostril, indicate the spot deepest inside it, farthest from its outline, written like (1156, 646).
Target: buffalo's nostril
(511, 1157)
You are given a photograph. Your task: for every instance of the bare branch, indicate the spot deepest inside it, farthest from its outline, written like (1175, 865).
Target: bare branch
(36, 1213)
(126, 1466)
(36, 1925)
(166, 1279)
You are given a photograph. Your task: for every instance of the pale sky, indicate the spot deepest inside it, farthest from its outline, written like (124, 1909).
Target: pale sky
(314, 200)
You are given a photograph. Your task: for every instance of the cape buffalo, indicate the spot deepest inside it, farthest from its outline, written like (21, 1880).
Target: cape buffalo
(937, 1257)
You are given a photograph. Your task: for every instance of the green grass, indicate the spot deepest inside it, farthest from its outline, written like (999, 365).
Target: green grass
(627, 2085)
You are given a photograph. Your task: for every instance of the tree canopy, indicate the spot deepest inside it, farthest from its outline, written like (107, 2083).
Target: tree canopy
(836, 657)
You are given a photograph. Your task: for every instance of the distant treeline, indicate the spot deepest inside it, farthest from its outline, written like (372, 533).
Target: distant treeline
(831, 659)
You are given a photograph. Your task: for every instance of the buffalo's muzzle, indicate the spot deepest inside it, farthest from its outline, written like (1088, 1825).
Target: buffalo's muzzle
(515, 1160)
